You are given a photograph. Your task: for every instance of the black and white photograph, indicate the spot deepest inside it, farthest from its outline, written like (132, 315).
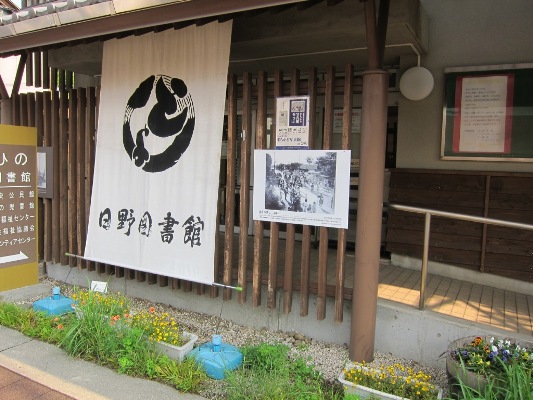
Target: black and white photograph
(302, 186)
(45, 181)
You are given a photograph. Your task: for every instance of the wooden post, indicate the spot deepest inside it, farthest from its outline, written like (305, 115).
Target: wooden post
(341, 236)
(291, 229)
(230, 185)
(369, 215)
(371, 179)
(306, 232)
(258, 225)
(246, 140)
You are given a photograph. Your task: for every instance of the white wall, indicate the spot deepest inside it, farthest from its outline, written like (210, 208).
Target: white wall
(8, 70)
(461, 33)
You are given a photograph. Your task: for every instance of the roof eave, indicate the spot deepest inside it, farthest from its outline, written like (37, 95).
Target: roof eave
(131, 20)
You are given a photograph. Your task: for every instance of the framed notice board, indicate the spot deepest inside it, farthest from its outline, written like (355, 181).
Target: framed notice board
(488, 113)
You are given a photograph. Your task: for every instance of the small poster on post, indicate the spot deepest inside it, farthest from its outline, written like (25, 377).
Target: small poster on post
(292, 122)
(302, 187)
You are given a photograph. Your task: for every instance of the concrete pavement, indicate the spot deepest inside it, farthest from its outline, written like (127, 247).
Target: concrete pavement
(31, 369)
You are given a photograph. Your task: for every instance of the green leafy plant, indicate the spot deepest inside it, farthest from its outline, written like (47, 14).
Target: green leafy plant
(396, 379)
(33, 323)
(268, 372)
(186, 376)
(88, 335)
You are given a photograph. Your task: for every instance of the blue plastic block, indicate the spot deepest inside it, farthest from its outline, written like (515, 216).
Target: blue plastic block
(217, 357)
(56, 304)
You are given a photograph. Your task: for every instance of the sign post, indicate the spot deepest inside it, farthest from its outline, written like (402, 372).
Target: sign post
(18, 207)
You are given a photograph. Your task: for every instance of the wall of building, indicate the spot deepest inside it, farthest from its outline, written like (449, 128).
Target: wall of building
(471, 33)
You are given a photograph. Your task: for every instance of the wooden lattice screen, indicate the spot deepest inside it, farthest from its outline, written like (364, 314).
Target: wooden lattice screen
(66, 121)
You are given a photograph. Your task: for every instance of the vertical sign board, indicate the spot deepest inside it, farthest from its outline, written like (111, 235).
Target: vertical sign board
(18, 207)
(292, 123)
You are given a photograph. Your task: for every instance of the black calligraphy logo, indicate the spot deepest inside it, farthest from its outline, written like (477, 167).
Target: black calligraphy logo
(172, 116)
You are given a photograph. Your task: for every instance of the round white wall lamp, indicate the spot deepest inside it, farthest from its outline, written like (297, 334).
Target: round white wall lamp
(416, 83)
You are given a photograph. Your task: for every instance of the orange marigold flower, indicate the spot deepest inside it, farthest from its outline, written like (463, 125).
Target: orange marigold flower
(152, 310)
(60, 326)
(56, 319)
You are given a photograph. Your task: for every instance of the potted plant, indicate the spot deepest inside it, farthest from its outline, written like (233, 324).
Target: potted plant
(472, 359)
(395, 382)
(163, 330)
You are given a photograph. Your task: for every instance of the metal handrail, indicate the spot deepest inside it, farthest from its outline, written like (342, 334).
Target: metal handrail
(465, 217)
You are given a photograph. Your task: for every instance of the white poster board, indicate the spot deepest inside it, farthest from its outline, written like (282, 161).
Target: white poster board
(309, 187)
(338, 119)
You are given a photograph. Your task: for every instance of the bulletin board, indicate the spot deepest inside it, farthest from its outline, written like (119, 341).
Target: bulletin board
(488, 113)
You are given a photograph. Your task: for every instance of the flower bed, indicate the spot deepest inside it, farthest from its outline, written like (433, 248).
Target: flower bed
(395, 382)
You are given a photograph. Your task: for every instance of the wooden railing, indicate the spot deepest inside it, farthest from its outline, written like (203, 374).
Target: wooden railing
(427, 229)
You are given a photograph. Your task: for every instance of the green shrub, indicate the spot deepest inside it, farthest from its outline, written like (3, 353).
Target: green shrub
(269, 373)
(33, 323)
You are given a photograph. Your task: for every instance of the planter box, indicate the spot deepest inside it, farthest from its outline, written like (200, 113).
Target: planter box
(456, 373)
(177, 353)
(364, 392)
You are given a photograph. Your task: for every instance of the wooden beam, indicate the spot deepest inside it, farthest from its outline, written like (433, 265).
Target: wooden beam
(291, 228)
(230, 184)
(260, 141)
(37, 69)
(244, 207)
(90, 140)
(341, 235)
(381, 34)
(54, 123)
(46, 71)
(72, 198)
(324, 240)
(274, 226)
(47, 141)
(29, 69)
(63, 157)
(80, 173)
(371, 35)
(306, 232)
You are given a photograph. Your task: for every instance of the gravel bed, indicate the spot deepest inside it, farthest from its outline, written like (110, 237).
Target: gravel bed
(328, 358)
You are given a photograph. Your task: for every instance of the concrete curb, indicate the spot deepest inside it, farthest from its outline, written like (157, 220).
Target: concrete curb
(48, 380)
